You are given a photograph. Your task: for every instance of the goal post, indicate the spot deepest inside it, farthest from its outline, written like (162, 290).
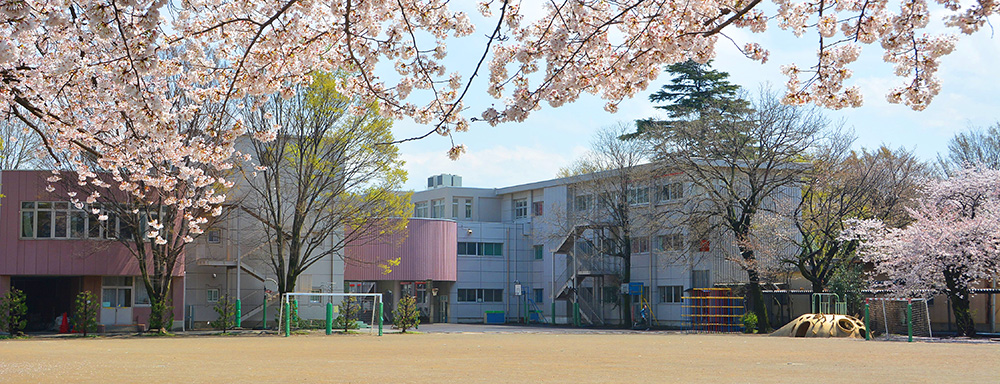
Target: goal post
(315, 310)
(894, 318)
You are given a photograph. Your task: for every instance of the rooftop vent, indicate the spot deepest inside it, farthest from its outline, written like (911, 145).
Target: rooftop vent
(444, 180)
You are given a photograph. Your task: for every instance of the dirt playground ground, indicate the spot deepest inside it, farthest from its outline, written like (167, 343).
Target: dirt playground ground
(598, 357)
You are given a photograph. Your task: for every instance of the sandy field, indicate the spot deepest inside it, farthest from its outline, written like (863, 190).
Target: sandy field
(492, 357)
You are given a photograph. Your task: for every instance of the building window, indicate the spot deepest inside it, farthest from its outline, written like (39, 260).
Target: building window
(520, 208)
(214, 235)
(672, 191)
(141, 294)
(539, 295)
(539, 252)
(315, 299)
(468, 208)
(582, 202)
(461, 208)
(670, 242)
(454, 208)
(638, 196)
(480, 295)
(437, 208)
(699, 279)
(480, 249)
(537, 207)
(671, 293)
(62, 220)
(212, 295)
(420, 209)
(640, 244)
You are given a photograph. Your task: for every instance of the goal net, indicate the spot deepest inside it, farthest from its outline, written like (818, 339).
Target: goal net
(358, 311)
(887, 318)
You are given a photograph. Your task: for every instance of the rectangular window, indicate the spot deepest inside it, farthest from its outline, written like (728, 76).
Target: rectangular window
(520, 208)
(78, 225)
(699, 279)
(537, 207)
(437, 208)
(28, 223)
(672, 191)
(420, 209)
(480, 295)
(539, 252)
(214, 235)
(640, 244)
(480, 249)
(141, 295)
(212, 295)
(468, 208)
(315, 299)
(454, 208)
(582, 202)
(671, 293)
(637, 196)
(539, 295)
(670, 242)
(44, 224)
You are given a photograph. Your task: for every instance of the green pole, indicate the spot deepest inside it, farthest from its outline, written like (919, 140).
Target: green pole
(288, 318)
(264, 313)
(868, 330)
(527, 317)
(909, 321)
(553, 312)
(329, 318)
(239, 314)
(576, 314)
(380, 318)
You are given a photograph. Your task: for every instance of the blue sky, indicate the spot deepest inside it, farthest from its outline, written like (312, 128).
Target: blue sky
(511, 154)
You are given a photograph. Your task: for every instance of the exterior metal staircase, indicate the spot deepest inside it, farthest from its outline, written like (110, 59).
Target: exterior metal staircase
(586, 270)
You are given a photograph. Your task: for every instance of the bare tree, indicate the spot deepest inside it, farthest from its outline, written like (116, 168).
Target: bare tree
(18, 145)
(845, 184)
(976, 146)
(324, 181)
(614, 196)
(740, 161)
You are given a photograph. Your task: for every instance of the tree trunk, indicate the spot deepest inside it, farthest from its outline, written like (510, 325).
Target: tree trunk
(963, 316)
(755, 296)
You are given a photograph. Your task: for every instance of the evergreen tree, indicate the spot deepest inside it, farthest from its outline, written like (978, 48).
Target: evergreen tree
(406, 315)
(84, 318)
(696, 92)
(13, 308)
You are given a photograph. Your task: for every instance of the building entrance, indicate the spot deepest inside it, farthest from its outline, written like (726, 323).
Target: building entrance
(47, 297)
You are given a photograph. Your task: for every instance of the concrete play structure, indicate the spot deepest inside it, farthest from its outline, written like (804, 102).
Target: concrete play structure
(823, 325)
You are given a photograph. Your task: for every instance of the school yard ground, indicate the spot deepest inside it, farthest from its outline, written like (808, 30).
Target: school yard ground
(473, 354)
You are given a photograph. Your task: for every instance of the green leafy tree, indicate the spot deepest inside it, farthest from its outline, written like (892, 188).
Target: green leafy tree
(226, 309)
(328, 178)
(349, 309)
(406, 315)
(13, 308)
(84, 318)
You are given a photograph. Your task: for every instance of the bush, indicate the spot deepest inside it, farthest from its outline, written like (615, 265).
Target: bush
(349, 309)
(84, 318)
(406, 315)
(749, 320)
(848, 281)
(13, 308)
(226, 309)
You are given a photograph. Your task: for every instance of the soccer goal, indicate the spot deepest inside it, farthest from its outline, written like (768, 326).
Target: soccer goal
(897, 318)
(361, 311)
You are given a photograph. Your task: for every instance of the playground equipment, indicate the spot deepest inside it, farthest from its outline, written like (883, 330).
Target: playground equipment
(823, 325)
(714, 310)
(316, 310)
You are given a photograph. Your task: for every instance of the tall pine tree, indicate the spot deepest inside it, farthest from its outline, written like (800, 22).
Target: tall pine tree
(696, 92)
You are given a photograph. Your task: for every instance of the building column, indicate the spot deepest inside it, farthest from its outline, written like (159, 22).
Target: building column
(4, 284)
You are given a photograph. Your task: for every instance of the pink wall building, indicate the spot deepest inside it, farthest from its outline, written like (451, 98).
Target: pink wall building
(51, 250)
(427, 253)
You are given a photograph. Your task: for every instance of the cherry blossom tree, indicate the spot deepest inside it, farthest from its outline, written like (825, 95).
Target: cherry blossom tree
(952, 245)
(100, 76)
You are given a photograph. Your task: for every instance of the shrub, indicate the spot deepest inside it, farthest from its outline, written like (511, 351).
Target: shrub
(84, 318)
(226, 309)
(13, 308)
(406, 315)
(749, 320)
